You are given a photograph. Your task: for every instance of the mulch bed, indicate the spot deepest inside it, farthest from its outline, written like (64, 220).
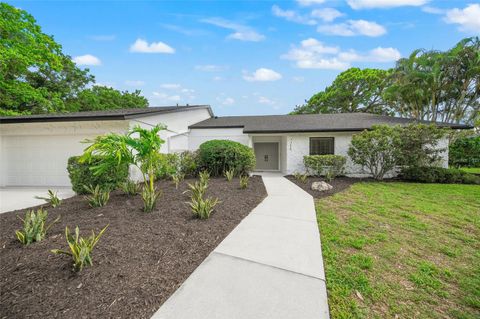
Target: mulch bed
(139, 262)
(339, 184)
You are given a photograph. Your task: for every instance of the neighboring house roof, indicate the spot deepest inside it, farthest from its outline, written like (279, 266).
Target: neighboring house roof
(107, 115)
(309, 122)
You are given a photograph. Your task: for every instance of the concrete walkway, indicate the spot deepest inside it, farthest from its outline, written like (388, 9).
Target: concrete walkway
(269, 266)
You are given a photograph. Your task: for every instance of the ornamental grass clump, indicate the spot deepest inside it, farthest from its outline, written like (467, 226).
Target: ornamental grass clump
(51, 198)
(204, 177)
(98, 197)
(150, 198)
(80, 248)
(34, 227)
(300, 177)
(130, 187)
(229, 174)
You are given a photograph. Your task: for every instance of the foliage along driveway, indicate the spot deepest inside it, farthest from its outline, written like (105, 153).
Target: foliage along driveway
(402, 250)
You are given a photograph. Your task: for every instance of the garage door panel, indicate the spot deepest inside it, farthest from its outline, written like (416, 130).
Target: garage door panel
(40, 160)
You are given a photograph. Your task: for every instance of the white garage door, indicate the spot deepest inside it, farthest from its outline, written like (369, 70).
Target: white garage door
(40, 160)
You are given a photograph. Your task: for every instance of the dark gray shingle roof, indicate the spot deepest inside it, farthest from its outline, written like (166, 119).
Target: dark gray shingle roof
(117, 114)
(307, 122)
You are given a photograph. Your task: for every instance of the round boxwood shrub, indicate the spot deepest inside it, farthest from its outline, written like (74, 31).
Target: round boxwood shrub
(217, 156)
(80, 174)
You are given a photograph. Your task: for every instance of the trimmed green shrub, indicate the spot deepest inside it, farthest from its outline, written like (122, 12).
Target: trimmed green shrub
(465, 152)
(81, 174)
(188, 163)
(218, 156)
(325, 165)
(438, 175)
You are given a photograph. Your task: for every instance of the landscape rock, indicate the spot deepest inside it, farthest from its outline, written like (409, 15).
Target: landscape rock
(321, 186)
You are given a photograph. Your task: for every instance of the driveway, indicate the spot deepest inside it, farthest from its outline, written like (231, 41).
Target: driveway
(14, 198)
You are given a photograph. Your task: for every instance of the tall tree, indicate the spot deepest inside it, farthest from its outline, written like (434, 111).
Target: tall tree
(438, 86)
(104, 98)
(37, 77)
(354, 90)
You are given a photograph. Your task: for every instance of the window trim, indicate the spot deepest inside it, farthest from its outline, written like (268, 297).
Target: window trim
(325, 138)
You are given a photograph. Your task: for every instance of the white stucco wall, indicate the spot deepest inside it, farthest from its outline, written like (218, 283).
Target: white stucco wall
(177, 124)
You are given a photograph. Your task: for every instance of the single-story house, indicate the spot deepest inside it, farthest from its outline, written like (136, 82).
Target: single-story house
(34, 149)
(281, 141)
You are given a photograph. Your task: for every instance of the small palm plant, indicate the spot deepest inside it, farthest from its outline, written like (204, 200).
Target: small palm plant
(34, 227)
(130, 187)
(229, 174)
(177, 179)
(98, 196)
(51, 198)
(80, 248)
(139, 147)
(244, 181)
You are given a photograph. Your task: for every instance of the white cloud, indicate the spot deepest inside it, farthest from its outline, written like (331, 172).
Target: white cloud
(228, 101)
(165, 97)
(306, 3)
(87, 59)
(241, 32)
(370, 4)
(265, 100)
(467, 18)
(170, 86)
(134, 83)
(353, 28)
(432, 10)
(326, 14)
(298, 79)
(291, 15)
(210, 68)
(313, 54)
(142, 46)
(262, 75)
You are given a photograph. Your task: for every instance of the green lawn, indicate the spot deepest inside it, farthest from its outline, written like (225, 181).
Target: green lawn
(471, 170)
(401, 250)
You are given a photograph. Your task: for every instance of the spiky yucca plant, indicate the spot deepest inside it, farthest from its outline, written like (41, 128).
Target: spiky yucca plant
(34, 226)
(244, 181)
(130, 187)
(80, 248)
(177, 179)
(229, 174)
(98, 196)
(203, 208)
(149, 198)
(51, 198)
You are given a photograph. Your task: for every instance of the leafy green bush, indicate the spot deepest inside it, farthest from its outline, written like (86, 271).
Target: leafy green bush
(185, 163)
(34, 228)
(376, 149)
(218, 156)
(51, 198)
(80, 248)
(98, 197)
(82, 174)
(465, 152)
(438, 175)
(325, 165)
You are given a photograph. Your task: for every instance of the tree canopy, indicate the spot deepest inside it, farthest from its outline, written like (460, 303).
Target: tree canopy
(427, 85)
(37, 77)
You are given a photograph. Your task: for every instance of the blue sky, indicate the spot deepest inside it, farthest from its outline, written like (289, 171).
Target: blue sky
(245, 57)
